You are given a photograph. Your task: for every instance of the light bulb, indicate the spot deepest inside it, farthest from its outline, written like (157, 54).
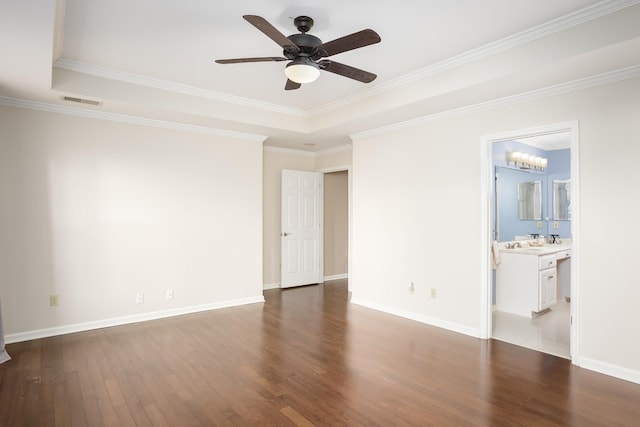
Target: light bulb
(302, 70)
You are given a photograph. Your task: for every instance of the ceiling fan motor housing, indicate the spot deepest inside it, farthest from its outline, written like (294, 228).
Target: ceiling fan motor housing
(307, 43)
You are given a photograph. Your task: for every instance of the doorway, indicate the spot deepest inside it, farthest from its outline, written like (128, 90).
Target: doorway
(335, 193)
(517, 329)
(336, 225)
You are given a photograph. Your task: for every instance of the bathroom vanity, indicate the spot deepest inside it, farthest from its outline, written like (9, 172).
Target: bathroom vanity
(527, 278)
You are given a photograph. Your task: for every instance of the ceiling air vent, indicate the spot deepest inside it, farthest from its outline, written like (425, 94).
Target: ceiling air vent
(81, 100)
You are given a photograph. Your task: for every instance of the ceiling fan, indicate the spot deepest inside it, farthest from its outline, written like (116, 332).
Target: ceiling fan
(306, 52)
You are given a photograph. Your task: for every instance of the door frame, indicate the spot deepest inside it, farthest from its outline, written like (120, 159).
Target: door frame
(346, 168)
(486, 189)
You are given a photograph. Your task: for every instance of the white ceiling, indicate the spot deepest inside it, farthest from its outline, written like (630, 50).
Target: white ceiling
(549, 141)
(154, 59)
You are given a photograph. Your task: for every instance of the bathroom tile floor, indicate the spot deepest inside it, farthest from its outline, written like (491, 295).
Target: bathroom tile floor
(548, 333)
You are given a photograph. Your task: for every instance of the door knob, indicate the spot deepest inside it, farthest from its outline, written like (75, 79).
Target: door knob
(285, 234)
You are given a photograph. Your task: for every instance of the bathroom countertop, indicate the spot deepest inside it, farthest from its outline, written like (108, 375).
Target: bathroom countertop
(547, 249)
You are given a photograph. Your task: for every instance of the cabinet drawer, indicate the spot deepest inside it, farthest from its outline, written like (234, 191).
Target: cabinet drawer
(546, 261)
(563, 255)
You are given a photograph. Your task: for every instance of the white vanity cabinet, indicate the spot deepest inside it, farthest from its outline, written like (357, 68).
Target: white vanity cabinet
(526, 282)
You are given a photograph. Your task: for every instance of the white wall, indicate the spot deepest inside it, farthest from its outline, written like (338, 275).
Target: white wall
(95, 211)
(332, 159)
(417, 207)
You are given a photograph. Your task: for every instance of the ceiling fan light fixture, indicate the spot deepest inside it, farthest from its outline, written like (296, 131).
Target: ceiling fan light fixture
(302, 70)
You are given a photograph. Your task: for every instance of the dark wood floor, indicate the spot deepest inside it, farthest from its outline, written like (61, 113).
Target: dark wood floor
(305, 357)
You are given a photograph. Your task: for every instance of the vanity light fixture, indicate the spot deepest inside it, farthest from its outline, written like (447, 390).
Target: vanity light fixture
(527, 161)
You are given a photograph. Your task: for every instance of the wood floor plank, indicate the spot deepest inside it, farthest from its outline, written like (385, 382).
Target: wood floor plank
(75, 400)
(62, 413)
(304, 357)
(115, 393)
(295, 416)
(155, 415)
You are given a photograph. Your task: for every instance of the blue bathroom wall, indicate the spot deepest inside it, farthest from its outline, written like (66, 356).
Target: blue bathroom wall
(559, 167)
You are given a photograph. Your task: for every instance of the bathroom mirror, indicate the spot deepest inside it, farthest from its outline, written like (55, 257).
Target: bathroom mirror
(561, 199)
(508, 224)
(530, 200)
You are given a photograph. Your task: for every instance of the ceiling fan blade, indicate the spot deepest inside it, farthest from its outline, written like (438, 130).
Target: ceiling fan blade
(270, 31)
(347, 71)
(291, 85)
(352, 41)
(259, 59)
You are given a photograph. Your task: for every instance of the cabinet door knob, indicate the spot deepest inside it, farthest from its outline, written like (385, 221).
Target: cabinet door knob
(549, 277)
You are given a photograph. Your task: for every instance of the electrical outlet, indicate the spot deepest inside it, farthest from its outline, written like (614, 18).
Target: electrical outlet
(53, 300)
(169, 294)
(556, 224)
(139, 298)
(539, 224)
(412, 288)
(433, 292)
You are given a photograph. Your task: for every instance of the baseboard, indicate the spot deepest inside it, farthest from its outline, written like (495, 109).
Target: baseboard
(336, 277)
(454, 327)
(117, 321)
(610, 369)
(267, 286)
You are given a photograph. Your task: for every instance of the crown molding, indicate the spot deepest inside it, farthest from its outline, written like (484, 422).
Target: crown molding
(334, 150)
(535, 33)
(123, 118)
(122, 76)
(559, 89)
(289, 151)
(303, 153)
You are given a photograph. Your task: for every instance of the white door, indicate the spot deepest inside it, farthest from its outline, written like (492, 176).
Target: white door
(301, 228)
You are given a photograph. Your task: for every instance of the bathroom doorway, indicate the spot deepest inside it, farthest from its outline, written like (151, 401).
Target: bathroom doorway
(550, 330)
